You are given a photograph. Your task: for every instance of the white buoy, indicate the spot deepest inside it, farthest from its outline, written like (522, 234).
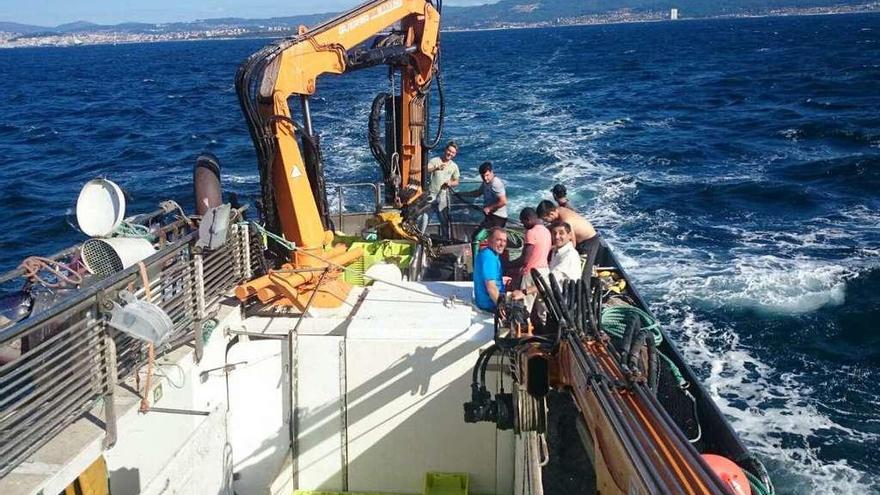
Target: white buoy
(100, 208)
(384, 272)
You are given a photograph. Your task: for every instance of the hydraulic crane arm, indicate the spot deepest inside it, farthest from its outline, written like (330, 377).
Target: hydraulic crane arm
(292, 187)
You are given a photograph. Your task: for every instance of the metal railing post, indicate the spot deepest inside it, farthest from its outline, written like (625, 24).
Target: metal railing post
(339, 193)
(110, 388)
(199, 268)
(246, 252)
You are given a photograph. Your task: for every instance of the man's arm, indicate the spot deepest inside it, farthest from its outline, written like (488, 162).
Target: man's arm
(490, 209)
(453, 181)
(472, 194)
(526, 252)
(493, 290)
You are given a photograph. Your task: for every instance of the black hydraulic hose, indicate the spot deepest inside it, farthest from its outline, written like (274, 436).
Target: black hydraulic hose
(586, 310)
(315, 172)
(653, 368)
(485, 365)
(572, 304)
(557, 294)
(485, 355)
(597, 302)
(632, 326)
(632, 358)
(374, 133)
(441, 102)
(546, 295)
(247, 85)
(579, 300)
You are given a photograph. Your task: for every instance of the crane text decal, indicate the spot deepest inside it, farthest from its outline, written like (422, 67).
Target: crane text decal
(375, 14)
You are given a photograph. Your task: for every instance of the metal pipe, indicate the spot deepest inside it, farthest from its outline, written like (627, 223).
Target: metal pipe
(10, 459)
(42, 350)
(271, 336)
(170, 410)
(307, 115)
(41, 377)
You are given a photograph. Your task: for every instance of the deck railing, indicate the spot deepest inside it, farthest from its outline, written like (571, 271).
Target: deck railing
(71, 360)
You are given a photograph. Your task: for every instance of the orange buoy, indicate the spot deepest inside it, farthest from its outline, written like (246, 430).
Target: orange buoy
(729, 473)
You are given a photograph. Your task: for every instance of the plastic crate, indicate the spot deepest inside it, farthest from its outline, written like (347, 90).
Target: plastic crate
(397, 252)
(446, 484)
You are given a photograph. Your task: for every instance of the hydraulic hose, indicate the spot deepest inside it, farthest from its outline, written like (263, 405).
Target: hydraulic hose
(441, 102)
(374, 133)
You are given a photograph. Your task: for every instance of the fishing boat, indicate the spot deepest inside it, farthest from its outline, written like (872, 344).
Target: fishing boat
(297, 350)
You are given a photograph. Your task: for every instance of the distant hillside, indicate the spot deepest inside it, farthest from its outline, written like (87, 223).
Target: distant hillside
(14, 27)
(535, 11)
(502, 13)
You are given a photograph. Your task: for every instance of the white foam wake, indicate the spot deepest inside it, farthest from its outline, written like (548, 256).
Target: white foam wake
(774, 413)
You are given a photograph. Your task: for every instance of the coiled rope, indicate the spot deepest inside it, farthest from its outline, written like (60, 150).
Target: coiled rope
(63, 273)
(614, 323)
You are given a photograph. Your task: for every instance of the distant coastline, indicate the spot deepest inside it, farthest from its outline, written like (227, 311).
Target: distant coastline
(105, 36)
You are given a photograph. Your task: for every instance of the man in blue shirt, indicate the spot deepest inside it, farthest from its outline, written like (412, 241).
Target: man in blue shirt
(488, 284)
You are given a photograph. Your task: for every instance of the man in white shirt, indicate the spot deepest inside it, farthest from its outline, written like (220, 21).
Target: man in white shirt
(565, 262)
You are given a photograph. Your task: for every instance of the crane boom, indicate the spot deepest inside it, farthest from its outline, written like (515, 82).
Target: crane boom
(291, 173)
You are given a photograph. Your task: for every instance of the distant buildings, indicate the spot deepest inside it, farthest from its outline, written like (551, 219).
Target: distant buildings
(673, 14)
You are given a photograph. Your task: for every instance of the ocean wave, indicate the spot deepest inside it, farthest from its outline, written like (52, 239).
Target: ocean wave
(859, 171)
(775, 412)
(768, 283)
(830, 132)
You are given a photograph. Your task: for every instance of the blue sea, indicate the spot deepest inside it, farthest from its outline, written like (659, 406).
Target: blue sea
(734, 165)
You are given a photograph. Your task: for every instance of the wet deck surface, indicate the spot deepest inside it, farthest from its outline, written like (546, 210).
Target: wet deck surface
(569, 470)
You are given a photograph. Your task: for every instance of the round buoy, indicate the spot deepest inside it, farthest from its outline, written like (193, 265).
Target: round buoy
(100, 208)
(384, 272)
(730, 474)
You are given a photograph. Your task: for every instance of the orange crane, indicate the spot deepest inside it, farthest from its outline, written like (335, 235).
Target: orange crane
(292, 179)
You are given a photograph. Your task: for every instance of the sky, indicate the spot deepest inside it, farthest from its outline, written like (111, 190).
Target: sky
(54, 12)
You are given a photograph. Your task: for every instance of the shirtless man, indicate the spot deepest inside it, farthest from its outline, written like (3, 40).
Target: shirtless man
(583, 232)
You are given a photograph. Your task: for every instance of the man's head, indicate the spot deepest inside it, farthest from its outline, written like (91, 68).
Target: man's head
(497, 239)
(559, 192)
(529, 217)
(486, 172)
(561, 234)
(548, 211)
(450, 151)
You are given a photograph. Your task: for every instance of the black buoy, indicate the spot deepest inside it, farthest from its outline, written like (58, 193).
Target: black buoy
(206, 183)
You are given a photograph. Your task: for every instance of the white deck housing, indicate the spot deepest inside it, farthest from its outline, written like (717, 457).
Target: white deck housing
(377, 388)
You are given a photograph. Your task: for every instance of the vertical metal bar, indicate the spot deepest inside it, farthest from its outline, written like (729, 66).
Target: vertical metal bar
(198, 321)
(292, 410)
(235, 246)
(109, 388)
(307, 114)
(199, 266)
(378, 197)
(343, 415)
(339, 191)
(246, 252)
